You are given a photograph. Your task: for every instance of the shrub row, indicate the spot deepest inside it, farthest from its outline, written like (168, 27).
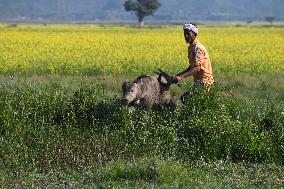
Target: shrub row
(46, 126)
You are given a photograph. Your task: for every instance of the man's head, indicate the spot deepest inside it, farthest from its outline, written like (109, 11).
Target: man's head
(190, 32)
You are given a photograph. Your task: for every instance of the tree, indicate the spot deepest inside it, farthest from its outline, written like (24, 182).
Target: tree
(249, 22)
(142, 8)
(269, 19)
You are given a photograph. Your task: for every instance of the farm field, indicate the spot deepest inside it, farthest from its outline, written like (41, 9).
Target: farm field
(87, 50)
(62, 123)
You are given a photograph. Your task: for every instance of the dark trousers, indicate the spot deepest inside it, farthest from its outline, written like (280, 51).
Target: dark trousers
(189, 94)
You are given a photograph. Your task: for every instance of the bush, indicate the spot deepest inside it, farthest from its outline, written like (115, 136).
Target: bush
(47, 126)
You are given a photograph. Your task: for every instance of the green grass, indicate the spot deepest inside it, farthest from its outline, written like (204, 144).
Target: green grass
(152, 172)
(62, 131)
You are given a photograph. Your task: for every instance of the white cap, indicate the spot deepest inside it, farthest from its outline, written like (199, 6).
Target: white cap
(190, 27)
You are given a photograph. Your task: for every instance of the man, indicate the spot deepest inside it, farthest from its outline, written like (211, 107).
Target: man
(199, 62)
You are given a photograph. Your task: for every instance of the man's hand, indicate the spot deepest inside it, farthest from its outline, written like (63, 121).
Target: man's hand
(176, 79)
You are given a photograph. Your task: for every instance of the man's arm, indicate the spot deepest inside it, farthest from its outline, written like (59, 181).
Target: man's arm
(186, 70)
(186, 73)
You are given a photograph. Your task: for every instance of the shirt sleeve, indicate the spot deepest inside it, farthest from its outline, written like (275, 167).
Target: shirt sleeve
(199, 58)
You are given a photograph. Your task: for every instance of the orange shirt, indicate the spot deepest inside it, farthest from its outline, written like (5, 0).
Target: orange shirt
(198, 56)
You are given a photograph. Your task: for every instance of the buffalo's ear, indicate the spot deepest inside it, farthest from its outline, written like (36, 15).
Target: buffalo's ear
(163, 80)
(125, 86)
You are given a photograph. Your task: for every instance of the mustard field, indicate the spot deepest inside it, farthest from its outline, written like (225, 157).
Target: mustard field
(110, 50)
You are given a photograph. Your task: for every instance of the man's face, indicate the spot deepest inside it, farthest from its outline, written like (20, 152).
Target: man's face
(189, 36)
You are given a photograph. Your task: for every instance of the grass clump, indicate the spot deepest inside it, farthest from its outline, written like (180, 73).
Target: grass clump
(51, 127)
